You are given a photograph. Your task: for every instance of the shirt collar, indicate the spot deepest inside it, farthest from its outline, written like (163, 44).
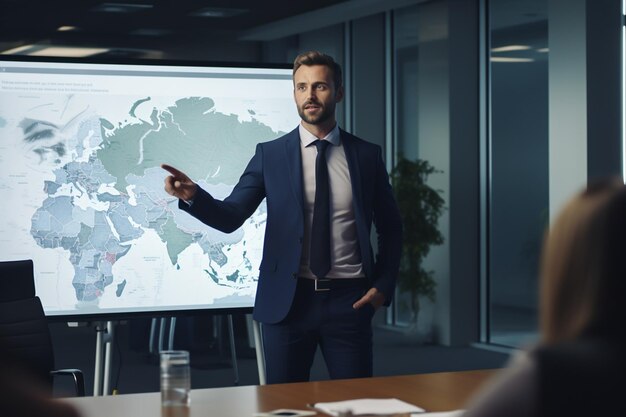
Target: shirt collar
(308, 138)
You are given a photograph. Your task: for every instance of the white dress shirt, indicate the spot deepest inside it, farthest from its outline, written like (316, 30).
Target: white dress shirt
(345, 259)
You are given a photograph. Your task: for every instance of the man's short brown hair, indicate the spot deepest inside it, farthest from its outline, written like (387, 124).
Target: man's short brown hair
(317, 58)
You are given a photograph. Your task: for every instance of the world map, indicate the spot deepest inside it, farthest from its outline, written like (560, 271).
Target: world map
(103, 216)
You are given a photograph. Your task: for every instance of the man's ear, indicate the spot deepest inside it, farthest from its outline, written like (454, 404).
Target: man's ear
(339, 94)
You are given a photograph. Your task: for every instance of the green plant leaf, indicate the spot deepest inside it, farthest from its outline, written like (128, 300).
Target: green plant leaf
(420, 206)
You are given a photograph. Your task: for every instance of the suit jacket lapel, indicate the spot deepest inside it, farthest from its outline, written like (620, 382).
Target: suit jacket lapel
(294, 162)
(358, 200)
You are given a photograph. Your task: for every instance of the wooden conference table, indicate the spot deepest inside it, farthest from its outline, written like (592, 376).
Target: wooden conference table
(433, 392)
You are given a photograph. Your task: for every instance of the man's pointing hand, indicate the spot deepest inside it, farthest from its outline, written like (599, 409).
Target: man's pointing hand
(179, 184)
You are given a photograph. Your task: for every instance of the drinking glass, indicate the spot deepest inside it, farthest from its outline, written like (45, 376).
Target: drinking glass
(175, 378)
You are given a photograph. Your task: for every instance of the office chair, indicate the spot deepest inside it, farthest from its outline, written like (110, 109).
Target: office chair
(24, 332)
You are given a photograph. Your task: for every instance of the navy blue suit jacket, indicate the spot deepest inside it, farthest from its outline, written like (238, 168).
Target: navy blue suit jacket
(275, 173)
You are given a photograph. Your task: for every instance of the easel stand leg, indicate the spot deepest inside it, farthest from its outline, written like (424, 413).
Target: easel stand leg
(104, 350)
(233, 351)
(97, 373)
(260, 357)
(108, 354)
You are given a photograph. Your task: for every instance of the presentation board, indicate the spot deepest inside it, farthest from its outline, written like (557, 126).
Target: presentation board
(80, 151)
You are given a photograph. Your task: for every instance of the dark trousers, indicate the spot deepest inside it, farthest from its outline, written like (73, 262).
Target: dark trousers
(326, 319)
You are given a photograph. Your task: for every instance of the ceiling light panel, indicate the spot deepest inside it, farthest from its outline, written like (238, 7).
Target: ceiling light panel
(218, 12)
(122, 7)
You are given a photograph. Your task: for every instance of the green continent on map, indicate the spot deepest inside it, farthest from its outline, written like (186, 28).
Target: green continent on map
(120, 155)
(175, 240)
(136, 104)
(189, 135)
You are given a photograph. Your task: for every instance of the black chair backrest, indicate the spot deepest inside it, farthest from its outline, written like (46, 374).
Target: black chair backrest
(24, 332)
(17, 281)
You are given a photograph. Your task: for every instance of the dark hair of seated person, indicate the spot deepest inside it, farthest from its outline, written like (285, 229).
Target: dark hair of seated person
(578, 367)
(582, 359)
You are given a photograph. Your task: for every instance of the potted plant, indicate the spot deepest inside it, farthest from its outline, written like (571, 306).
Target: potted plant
(420, 207)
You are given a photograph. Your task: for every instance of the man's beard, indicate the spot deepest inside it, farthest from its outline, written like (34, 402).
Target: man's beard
(314, 119)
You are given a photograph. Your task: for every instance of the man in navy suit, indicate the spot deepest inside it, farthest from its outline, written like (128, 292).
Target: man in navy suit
(319, 282)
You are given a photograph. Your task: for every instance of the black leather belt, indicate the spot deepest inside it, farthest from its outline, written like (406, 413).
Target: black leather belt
(329, 284)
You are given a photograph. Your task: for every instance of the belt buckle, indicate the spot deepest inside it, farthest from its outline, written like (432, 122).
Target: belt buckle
(318, 289)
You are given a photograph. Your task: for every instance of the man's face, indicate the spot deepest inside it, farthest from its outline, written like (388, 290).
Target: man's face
(315, 94)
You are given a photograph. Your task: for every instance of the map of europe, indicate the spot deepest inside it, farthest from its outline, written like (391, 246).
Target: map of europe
(105, 211)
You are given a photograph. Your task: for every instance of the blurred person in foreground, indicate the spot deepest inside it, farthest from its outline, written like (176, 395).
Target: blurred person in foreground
(579, 366)
(23, 395)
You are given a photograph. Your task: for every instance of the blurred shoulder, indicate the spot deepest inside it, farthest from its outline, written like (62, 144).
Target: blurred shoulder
(511, 393)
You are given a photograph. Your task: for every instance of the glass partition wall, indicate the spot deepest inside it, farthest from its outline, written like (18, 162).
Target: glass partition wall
(421, 133)
(517, 161)
(518, 142)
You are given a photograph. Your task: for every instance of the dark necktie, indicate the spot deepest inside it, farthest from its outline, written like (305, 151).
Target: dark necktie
(320, 232)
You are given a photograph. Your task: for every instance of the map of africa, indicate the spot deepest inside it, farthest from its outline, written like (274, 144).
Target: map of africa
(104, 235)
